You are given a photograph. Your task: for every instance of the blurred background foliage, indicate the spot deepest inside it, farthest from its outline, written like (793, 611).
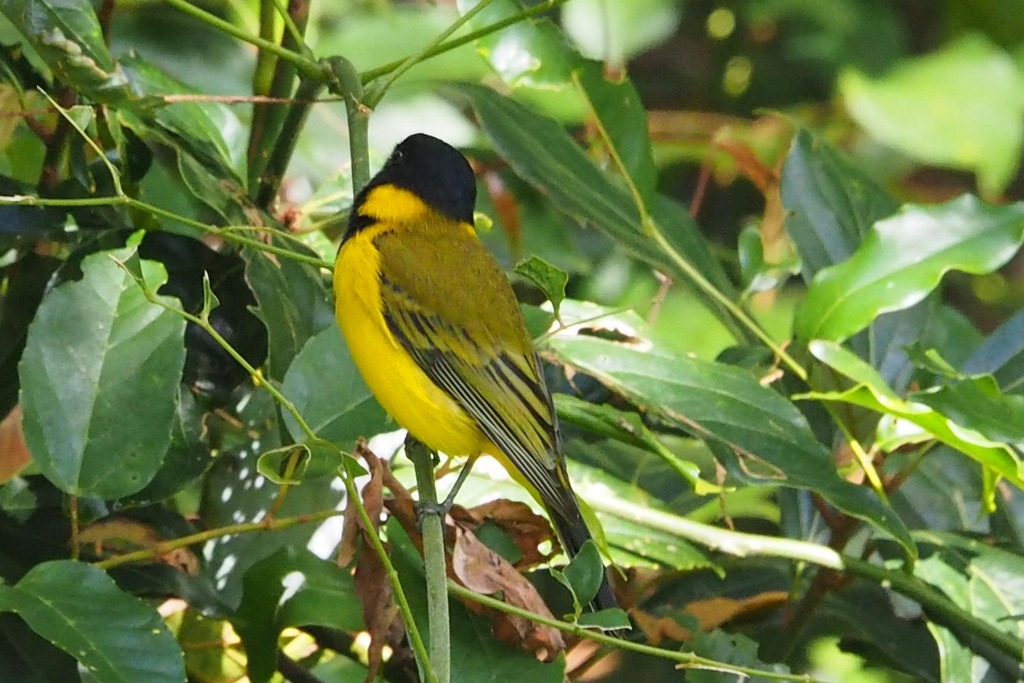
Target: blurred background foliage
(767, 121)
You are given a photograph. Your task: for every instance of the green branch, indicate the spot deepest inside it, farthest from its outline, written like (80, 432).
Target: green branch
(433, 560)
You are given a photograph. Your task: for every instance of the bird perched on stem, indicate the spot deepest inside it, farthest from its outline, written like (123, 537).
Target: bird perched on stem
(435, 329)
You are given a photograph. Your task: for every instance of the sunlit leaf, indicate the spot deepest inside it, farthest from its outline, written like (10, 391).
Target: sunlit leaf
(904, 258)
(870, 391)
(960, 106)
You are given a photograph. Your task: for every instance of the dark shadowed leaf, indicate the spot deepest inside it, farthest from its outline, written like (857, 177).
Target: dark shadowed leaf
(1002, 355)
(235, 492)
(30, 658)
(293, 304)
(830, 204)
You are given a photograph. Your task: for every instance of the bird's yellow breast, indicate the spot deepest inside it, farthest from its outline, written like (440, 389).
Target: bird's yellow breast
(402, 389)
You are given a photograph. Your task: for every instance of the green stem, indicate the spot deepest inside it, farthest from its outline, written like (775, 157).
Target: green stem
(433, 560)
(686, 659)
(945, 611)
(284, 143)
(124, 200)
(344, 80)
(346, 83)
(270, 127)
(306, 66)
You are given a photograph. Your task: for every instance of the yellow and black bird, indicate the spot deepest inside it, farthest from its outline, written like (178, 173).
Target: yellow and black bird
(434, 328)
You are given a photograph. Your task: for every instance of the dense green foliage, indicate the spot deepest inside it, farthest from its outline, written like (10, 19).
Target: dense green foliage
(769, 250)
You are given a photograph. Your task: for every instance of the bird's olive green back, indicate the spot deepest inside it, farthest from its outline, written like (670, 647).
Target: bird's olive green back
(467, 334)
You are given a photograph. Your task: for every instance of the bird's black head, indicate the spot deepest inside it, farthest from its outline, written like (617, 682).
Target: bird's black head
(434, 171)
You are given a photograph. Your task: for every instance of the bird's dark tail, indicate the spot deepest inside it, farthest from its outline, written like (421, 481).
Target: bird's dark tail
(573, 534)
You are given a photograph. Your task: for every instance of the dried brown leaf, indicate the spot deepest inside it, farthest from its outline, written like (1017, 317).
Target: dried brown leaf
(710, 614)
(14, 455)
(526, 528)
(482, 570)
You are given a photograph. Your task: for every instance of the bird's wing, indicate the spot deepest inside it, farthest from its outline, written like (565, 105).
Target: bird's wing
(484, 361)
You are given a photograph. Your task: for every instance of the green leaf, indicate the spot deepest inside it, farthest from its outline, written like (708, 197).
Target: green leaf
(292, 587)
(768, 438)
(830, 204)
(870, 391)
(585, 573)
(861, 615)
(124, 641)
(959, 106)
(532, 53)
(543, 154)
(548, 278)
(195, 126)
(614, 32)
(607, 421)
(204, 176)
(326, 388)
(293, 304)
(616, 106)
(982, 580)
(187, 458)
(67, 35)
(97, 348)
(235, 492)
(729, 648)
(1002, 355)
(978, 404)
(904, 258)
